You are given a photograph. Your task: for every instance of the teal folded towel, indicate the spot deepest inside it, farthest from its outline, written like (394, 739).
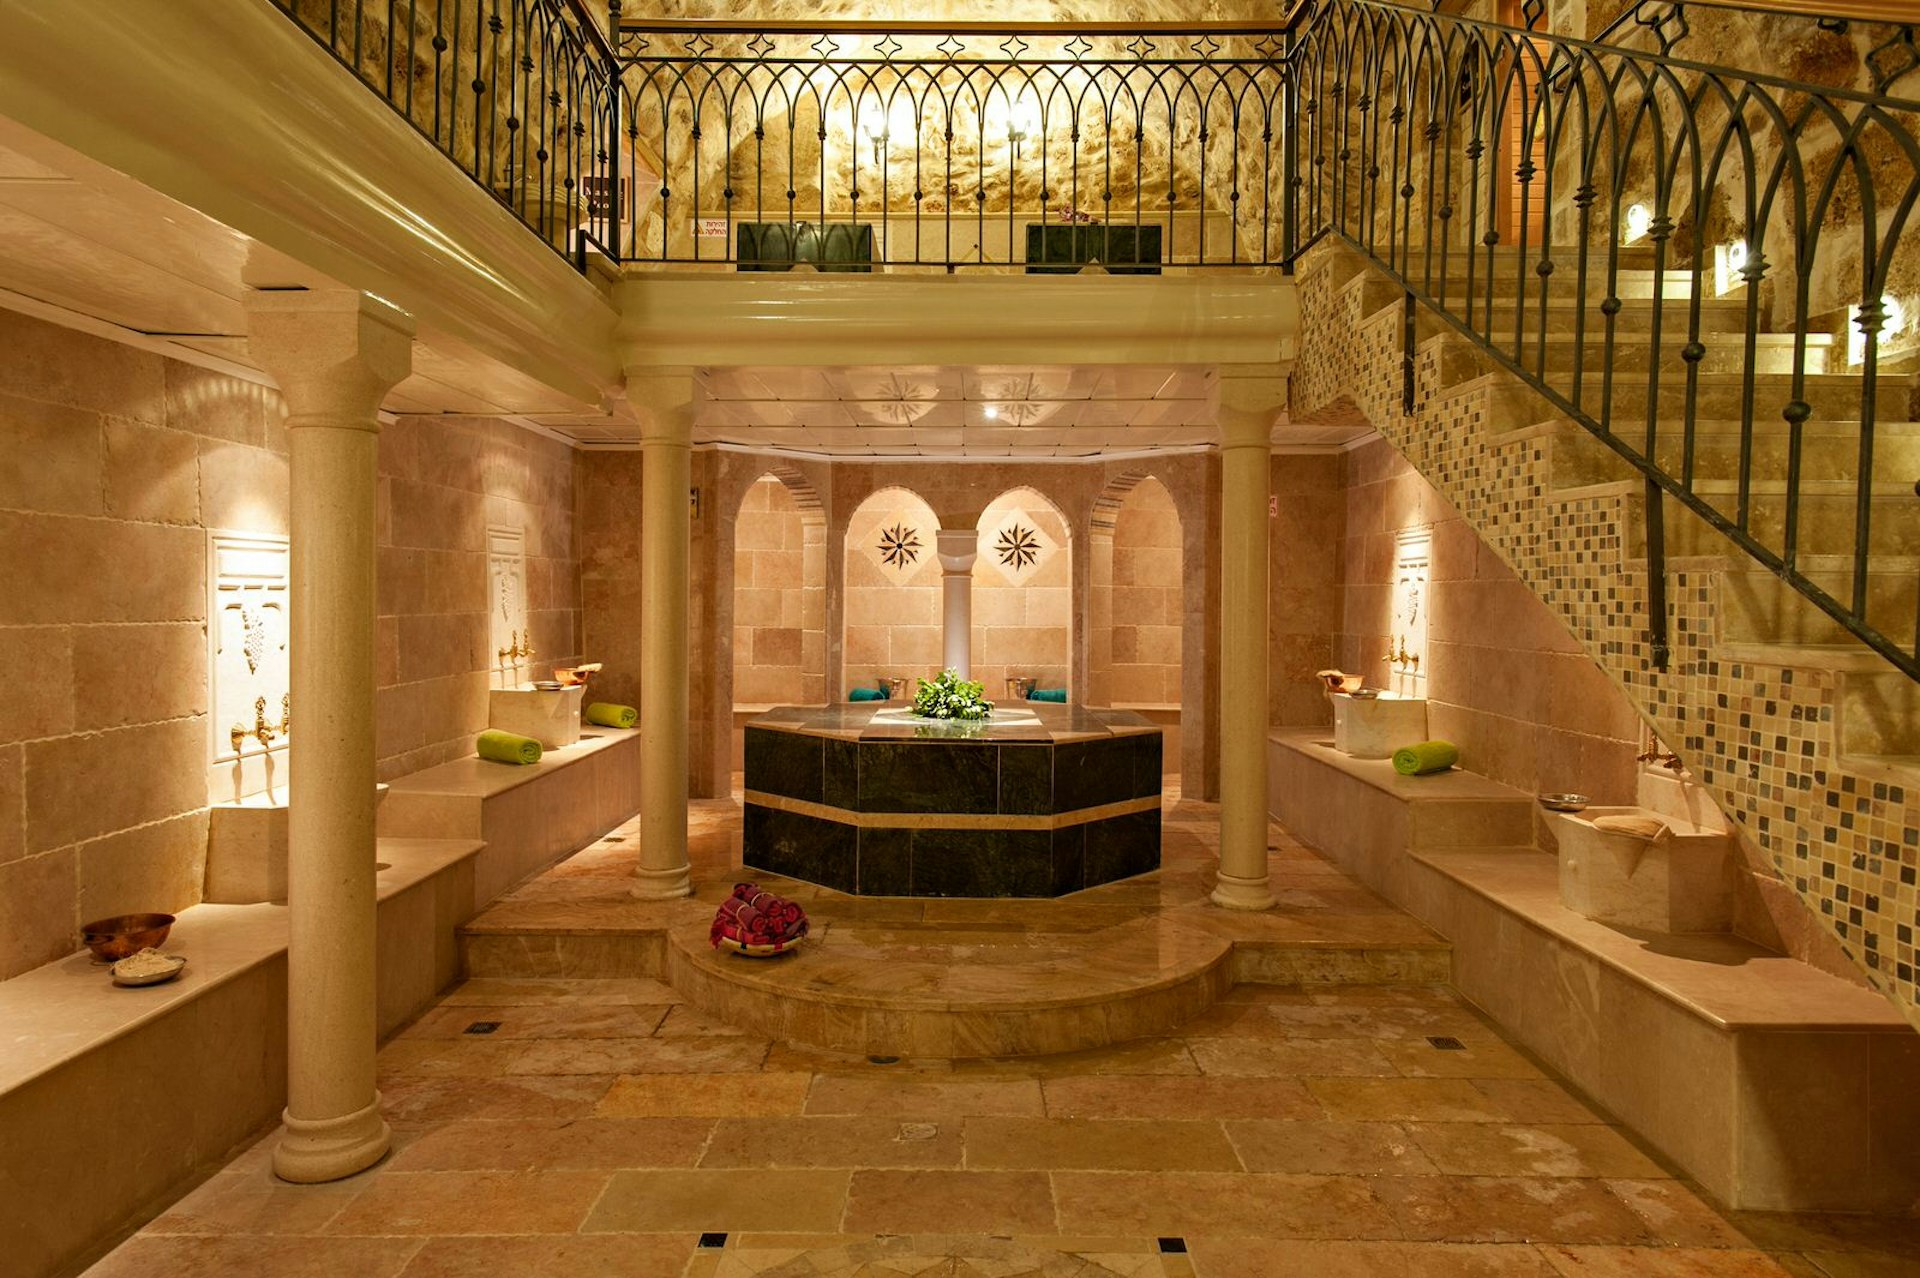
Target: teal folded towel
(1048, 694)
(866, 694)
(505, 747)
(610, 714)
(1428, 756)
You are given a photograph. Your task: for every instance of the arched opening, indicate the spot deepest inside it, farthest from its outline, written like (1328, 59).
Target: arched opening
(891, 596)
(1136, 598)
(779, 597)
(1023, 594)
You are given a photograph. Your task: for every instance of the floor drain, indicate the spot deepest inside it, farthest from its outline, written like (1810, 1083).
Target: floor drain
(1446, 1043)
(712, 1242)
(482, 1027)
(883, 1060)
(1173, 1246)
(615, 838)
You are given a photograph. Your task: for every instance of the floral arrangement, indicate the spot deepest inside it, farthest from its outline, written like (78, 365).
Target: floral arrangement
(1072, 216)
(948, 696)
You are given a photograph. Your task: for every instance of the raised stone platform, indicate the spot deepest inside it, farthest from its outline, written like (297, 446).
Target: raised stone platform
(961, 978)
(1038, 801)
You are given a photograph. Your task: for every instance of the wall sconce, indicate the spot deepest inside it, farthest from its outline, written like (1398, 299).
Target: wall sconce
(1018, 116)
(1729, 261)
(1639, 222)
(1894, 319)
(882, 123)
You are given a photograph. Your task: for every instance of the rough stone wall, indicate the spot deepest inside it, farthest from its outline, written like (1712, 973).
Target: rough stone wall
(442, 482)
(1760, 736)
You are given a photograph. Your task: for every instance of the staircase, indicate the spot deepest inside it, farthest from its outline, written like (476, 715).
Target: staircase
(1807, 737)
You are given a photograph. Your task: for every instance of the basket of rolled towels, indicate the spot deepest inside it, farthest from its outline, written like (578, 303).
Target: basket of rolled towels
(609, 714)
(757, 923)
(1426, 756)
(506, 747)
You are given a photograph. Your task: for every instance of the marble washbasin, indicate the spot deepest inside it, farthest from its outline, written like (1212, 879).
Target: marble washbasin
(1681, 881)
(1374, 727)
(551, 717)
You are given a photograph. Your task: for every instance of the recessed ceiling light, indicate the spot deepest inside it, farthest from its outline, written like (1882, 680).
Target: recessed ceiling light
(992, 413)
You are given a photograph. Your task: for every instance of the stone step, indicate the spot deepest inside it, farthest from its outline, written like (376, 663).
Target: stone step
(1826, 514)
(1756, 606)
(1630, 353)
(1879, 714)
(1829, 451)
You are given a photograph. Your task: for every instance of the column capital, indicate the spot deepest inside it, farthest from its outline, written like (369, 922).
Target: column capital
(663, 399)
(956, 549)
(334, 353)
(1251, 398)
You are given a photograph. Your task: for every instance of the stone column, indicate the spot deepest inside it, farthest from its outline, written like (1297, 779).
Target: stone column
(664, 402)
(1244, 451)
(956, 549)
(335, 355)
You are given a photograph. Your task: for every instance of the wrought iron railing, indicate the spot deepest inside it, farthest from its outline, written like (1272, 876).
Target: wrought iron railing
(1706, 267)
(521, 94)
(954, 146)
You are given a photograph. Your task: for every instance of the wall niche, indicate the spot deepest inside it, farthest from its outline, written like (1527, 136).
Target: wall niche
(248, 678)
(509, 635)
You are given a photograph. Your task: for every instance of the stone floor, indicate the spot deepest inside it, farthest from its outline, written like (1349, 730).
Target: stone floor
(603, 1127)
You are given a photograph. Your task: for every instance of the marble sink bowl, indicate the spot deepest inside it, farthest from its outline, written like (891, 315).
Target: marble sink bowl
(1374, 727)
(1680, 881)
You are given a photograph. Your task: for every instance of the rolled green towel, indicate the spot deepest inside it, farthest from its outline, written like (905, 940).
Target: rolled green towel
(1048, 694)
(1428, 756)
(609, 715)
(505, 747)
(866, 694)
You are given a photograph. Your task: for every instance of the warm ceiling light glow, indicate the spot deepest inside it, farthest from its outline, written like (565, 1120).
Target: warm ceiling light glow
(991, 413)
(1893, 321)
(1639, 222)
(1729, 266)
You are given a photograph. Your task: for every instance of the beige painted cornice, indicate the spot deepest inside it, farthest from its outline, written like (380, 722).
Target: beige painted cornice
(707, 318)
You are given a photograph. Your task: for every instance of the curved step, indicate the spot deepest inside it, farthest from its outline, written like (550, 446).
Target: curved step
(870, 990)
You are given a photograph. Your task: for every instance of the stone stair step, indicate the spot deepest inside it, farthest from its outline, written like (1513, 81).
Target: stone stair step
(1756, 606)
(1879, 714)
(1628, 352)
(1826, 517)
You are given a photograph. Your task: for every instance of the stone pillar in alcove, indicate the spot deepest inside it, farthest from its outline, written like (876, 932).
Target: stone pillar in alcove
(1248, 407)
(663, 400)
(335, 354)
(956, 549)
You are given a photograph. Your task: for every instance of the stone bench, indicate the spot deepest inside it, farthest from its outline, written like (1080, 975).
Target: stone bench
(1777, 1086)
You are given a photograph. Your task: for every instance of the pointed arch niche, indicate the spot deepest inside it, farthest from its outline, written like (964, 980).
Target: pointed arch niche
(1136, 597)
(890, 605)
(779, 594)
(1023, 593)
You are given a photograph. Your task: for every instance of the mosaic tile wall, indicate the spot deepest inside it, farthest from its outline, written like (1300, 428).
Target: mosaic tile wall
(1761, 736)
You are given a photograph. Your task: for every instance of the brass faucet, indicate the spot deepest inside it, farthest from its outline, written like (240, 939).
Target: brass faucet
(521, 649)
(1399, 654)
(237, 734)
(1659, 758)
(286, 713)
(263, 732)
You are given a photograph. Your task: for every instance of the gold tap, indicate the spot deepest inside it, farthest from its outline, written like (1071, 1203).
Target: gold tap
(237, 734)
(1398, 654)
(286, 713)
(521, 649)
(1659, 758)
(262, 730)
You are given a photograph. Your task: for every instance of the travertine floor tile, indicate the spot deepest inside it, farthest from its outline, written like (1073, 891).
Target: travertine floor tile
(833, 1142)
(1499, 1149)
(568, 1020)
(708, 1054)
(892, 1096)
(1328, 1148)
(700, 1200)
(1429, 1100)
(542, 1202)
(1291, 1058)
(253, 1202)
(987, 1202)
(579, 1144)
(1509, 1209)
(704, 1096)
(1660, 1262)
(1536, 1100)
(1180, 1098)
(1160, 1204)
(1271, 1258)
(418, 1100)
(250, 1256)
(1677, 1216)
(554, 1256)
(1098, 1145)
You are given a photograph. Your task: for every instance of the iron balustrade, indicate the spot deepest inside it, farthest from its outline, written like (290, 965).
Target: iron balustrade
(1701, 265)
(521, 94)
(949, 142)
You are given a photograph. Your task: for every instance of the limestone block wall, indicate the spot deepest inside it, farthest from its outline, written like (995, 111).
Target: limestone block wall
(1506, 680)
(892, 593)
(1136, 606)
(114, 464)
(442, 482)
(1306, 544)
(1023, 613)
(779, 600)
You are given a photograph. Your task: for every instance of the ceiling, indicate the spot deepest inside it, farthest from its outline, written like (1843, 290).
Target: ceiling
(84, 245)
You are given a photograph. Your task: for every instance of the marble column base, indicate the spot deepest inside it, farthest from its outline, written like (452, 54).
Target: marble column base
(662, 885)
(314, 1150)
(1234, 893)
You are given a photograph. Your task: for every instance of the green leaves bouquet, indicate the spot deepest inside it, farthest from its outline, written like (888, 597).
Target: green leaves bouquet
(948, 696)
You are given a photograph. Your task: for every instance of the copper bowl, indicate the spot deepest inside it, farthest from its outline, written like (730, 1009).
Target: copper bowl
(124, 935)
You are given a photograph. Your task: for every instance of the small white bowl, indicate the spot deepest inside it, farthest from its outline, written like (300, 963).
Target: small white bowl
(1568, 802)
(176, 963)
